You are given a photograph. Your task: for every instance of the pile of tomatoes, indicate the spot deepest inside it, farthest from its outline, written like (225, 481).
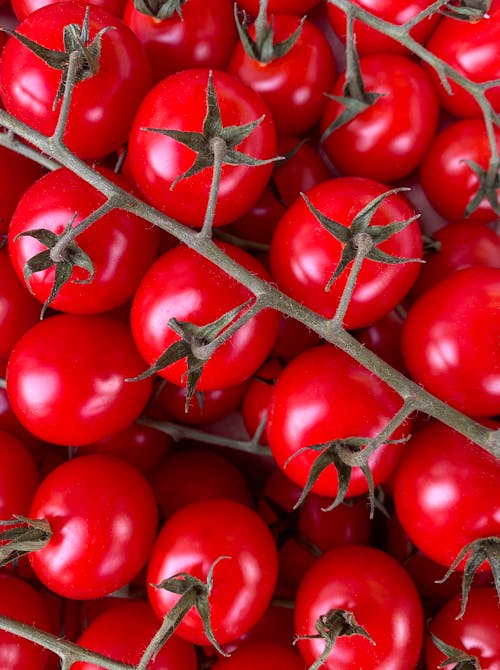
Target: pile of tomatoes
(177, 451)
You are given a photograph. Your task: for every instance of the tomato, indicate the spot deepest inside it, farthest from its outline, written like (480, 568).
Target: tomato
(257, 397)
(476, 633)
(295, 103)
(388, 140)
(262, 654)
(23, 8)
(304, 255)
(190, 542)
(384, 338)
(103, 106)
(369, 40)
(277, 6)
(203, 36)
(156, 161)
(18, 476)
(445, 170)
(438, 465)
(66, 379)
(124, 631)
(120, 245)
(377, 590)
(183, 285)
(17, 173)
(471, 48)
(103, 519)
(449, 340)
(324, 395)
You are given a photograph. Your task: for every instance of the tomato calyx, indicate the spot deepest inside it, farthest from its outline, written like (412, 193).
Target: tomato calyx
(263, 48)
(330, 626)
(22, 537)
(475, 553)
(160, 9)
(461, 660)
(489, 185)
(467, 10)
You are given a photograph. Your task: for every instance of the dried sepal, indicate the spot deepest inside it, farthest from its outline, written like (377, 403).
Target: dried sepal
(456, 657)
(22, 536)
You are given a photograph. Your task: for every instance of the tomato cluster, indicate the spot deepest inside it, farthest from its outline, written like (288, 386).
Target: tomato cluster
(249, 325)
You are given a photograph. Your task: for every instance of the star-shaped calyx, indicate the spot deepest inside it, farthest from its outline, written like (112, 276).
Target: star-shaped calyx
(456, 657)
(160, 9)
(467, 10)
(489, 187)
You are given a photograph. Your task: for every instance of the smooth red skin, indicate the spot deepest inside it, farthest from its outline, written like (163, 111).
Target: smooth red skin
(191, 540)
(123, 633)
(477, 632)
(449, 341)
(66, 379)
(324, 395)
(120, 245)
(304, 255)
(444, 171)
(193, 475)
(388, 140)
(383, 599)
(472, 50)
(155, 160)
(259, 223)
(464, 244)
(384, 338)
(184, 285)
(20, 601)
(18, 476)
(103, 518)
(18, 309)
(257, 397)
(370, 41)
(295, 102)
(17, 173)
(293, 338)
(438, 465)
(262, 654)
(205, 36)
(102, 107)
(23, 8)
(276, 6)
(171, 403)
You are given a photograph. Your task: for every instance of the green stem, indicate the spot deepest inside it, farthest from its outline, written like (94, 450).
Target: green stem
(218, 146)
(57, 137)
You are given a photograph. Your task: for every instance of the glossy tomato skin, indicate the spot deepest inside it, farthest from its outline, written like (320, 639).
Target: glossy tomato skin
(449, 340)
(66, 379)
(445, 170)
(204, 36)
(477, 632)
(295, 102)
(23, 8)
(102, 107)
(304, 255)
(155, 160)
(183, 285)
(324, 395)
(18, 476)
(438, 465)
(120, 245)
(367, 582)
(103, 518)
(263, 654)
(243, 584)
(17, 173)
(388, 140)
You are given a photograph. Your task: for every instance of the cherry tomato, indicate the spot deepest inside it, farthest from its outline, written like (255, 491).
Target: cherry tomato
(262, 654)
(17, 173)
(277, 6)
(18, 476)
(23, 8)
(255, 405)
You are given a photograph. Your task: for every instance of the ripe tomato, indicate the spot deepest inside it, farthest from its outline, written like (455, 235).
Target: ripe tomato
(103, 518)
(449, 340)
(437, 466)
(191, 540)
(324, 395)
(17, 173)
(156, 161)
(261, 654)
(388, 140)
(66, 379)
(377, 590)
(183, 285)
(18, 476)
(103, 106)
(23, 8)
(277, 6)
(304, 255)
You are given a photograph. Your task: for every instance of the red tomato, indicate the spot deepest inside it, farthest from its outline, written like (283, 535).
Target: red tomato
(383, 599)
(438, 465)
(183, 285)
(449, 340)
(325, 395)
(295, 102)
(23, 8)
(388, 140)
(191, 541)
(304, 255)
(384, 338)
(204, 36)
(257, 397)
(445, 170)
(66, 379)
(261, 654)
(103, 106)
(103, 518)
(156, 161)
(17, 173)
(120, 245)
(276, 6)
(123, 633)
(18, 477)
